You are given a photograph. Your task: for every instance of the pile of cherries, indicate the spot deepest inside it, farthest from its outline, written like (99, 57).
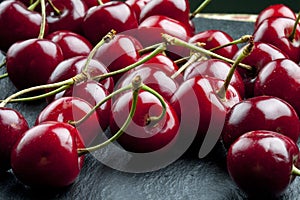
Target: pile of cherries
(138, 69)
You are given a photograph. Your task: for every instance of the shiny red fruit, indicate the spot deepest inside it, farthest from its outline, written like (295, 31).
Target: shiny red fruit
(137, 6)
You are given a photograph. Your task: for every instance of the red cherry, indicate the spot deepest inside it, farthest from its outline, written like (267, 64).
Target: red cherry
(67, 109)
(71, 44)
(280, 78)
(277, 31)
(17, 23)
(137, 6)
(12, 126)
(260, 162)
(91, 3)
(31, 62)
(140, 136)
(261, 113)
(46, 155)
(214, 38)
(70, 17)
(274, 10)
(112, 15)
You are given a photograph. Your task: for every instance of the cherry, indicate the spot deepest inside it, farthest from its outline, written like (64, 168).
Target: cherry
(68, 15)
(91, 3)
(215, 68)
(261, 113)
(137, 6)
(142, 135)
(176, 9)
(262, 163)
(280, 78)
(12, 126)
(17, 23)
(278, 31)
(71, 44)
(274, 10)
(215, 38)
(112, 15)
(31, 62)
(66, 109)
(46, 155)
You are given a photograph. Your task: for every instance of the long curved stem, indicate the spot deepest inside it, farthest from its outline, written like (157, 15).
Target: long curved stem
(200, 8)
(292, 35)
(56, 10)
(3, 75)
(43, 24)
(33, 5)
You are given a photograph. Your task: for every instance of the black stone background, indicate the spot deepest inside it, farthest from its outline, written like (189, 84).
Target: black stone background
(187, 178)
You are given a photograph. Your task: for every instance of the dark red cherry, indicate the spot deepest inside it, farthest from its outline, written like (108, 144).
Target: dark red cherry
(175, 9)
(112, 15)
(31, 62)
(119, 53)
(91, 3)
(163, 61)
(202, 112)
(277, 31)
(71, 44)
(261, 113)
(280, 78)
(274, 10)
(70, 17)
(12, 126)
(215, 38)
(17, 23)
(46, 156)
(260, 162)
(137, 6)
(215, 68)
(141, 136)
(67, 109)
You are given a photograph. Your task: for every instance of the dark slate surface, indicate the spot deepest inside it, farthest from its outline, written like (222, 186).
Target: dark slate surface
(187, 178)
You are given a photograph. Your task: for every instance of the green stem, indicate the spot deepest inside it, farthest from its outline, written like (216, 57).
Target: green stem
(3, 63)
(33, 5)
(106, 39)
(243, 39)
(246, 51)
(43, 24)
(200, 8)
(3, 75)
(159, 49)
(100, 2)
(178, 42)
(56, 10)
(292, 36)
(295, 171)
(148, 49)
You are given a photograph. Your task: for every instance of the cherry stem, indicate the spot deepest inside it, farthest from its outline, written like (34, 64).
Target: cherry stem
(243, 39)
(292, 36)
(159, 49)
(148, 49)
(178, 42)
(3, 75)
(295, 171)
(246, 51)
(33, 5)
(100, 2)
(106, 39)
(200, 8)
(56, 10)
(43, 24)
(3, 63)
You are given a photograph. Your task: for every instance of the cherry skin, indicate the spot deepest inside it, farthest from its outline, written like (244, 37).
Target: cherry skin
(91, 3)
(46, 156)
(12, 126)
(71, 44)
(70, 17)
(260, 113)
(276, 31)
(280, 78)
(215, 68)
(201, 110)
(214, 38)
(137, 6)
(31, 62)
(260, 162)
(274, 10)
(103, 18)
(67, 109)
(140, 136)
(23, 23)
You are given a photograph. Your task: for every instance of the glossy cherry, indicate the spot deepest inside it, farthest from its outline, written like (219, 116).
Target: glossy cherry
(141, 136)
(67, 109)
(17, 23)
(46, 156)
(280, 78)
(70, 16)
(260, 162)
(261, 113)
(137, 6)
(91, 3)
(71, 44)
(31, 62)
(215, 38)
(112, 15)
(12, 126)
